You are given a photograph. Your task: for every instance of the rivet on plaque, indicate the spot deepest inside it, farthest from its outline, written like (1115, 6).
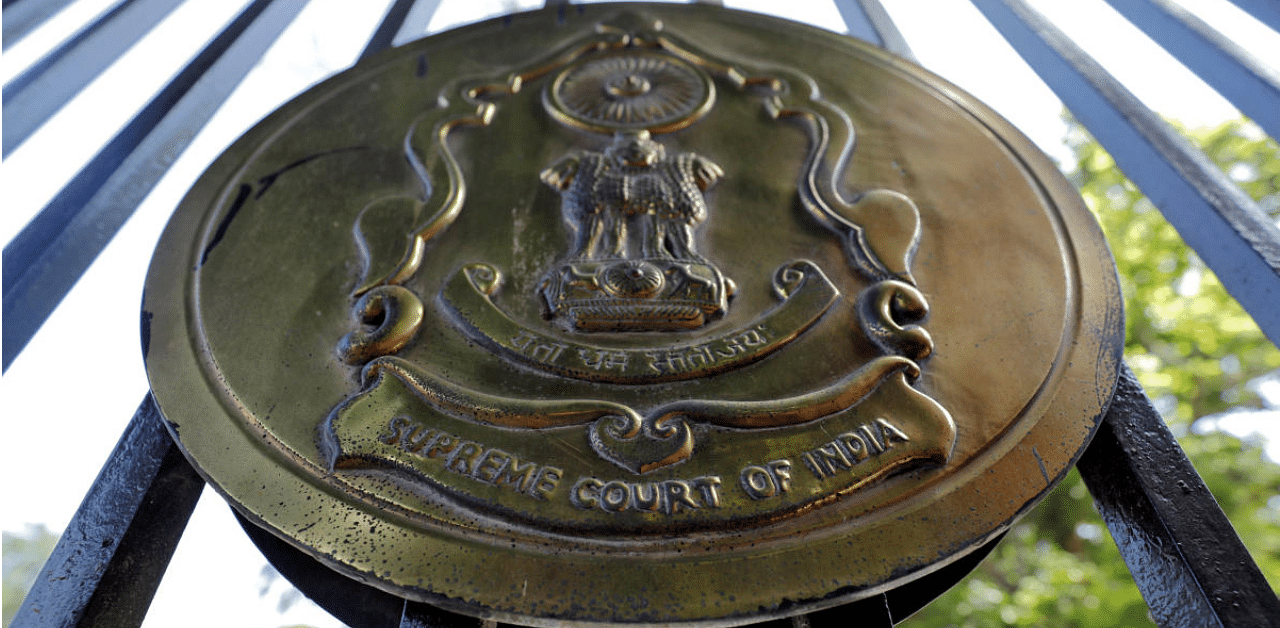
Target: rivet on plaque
(647, 314)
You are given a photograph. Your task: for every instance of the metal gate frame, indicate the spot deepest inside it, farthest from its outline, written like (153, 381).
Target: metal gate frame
(1180, 547)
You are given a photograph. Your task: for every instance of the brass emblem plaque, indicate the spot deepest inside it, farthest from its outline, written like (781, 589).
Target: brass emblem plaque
(643, 314)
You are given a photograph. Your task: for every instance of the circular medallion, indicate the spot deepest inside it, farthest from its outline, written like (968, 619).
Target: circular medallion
(565, 346)
(631, 90)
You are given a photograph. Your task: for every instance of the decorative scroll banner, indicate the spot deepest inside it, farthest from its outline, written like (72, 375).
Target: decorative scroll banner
(804, 290)
(870, 425)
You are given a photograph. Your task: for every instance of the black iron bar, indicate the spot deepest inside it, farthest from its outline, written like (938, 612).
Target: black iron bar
(41, 90)
(416, 23)
(1191, 567)
(1223, 225)
(52, 251)
(1249, 84)
(391, 24)
(873, 612)
(107, 565)
(419, 615)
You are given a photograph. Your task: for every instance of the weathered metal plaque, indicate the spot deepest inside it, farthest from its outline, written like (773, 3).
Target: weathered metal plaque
(646, 314)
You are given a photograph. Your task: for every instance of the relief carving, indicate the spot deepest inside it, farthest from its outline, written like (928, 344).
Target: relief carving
(633, 263)
(632, 206)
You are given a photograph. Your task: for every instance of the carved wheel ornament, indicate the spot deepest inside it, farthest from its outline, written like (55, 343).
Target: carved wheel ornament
(635, 326)
(631, 90)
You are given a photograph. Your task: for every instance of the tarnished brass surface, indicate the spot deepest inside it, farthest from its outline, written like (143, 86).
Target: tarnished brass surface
(646, 314)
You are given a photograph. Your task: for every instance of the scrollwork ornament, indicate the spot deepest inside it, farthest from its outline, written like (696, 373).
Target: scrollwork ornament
(641, 445)
(385, 320)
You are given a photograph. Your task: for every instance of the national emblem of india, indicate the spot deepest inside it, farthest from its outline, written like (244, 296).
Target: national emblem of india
(634, 314)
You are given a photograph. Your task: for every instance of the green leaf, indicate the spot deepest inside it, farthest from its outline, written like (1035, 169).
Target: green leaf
(1194, 350)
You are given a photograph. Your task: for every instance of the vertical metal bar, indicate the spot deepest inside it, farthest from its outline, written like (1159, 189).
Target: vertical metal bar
(39, 92)
(1191, 567)
(109, 561)
(58, 245)
(1235, 73)
(1265, 11)
(387, 30)
(1226, 228)
(415, 24)
(23, 16)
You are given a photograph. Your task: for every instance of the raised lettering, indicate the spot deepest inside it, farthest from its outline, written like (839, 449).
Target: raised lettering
(444, 443)
(890, 434)
(586, 493)
(754, 337)
(615, 496)
(547, 351)
(420, 439)
(872, 439)
(603, 360)
(463, 457)
(647, 497)
(757, 482)
(853, 446)
(396, 425)
(518, 475)
(810, 462)
(667, 496)
(844, 451)
(709, 487)
(832, 458)
(489, 465)
(522, 340)
(546, 482)
(677, 495)
(781, 472)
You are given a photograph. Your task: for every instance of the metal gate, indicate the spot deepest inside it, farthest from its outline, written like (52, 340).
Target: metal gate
(1190, 566)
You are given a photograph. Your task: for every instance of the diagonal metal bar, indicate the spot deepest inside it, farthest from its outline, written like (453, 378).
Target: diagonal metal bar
(857, 23)
(867, 20)
(23, 16)
(1191, 567)
(39, 92)
(391, 24)
(893, 40)
(109, 561)
(48, 256)
(415, 24)
(1265, 11)
(1225, 227)
(1249, 84)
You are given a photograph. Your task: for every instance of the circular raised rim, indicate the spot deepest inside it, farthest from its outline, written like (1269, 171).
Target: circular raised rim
(176, 361)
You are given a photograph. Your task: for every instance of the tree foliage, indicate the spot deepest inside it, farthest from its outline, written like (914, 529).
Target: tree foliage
(1190, 344)
(1195, 351)
(24, 556)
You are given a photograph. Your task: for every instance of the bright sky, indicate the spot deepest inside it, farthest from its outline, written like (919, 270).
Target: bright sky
(72, 391)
